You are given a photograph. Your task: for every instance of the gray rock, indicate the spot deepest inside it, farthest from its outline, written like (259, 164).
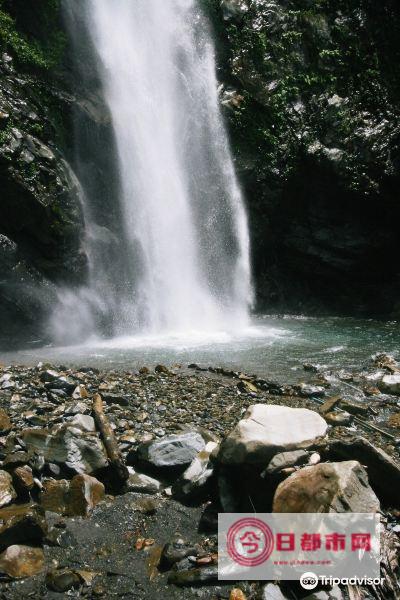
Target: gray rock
(80, 451)
(140, 483)
(267, 430)
(172, 451)
(391, 384)
(286, 459)
(273, 592)
(334, 594)
(197, 475)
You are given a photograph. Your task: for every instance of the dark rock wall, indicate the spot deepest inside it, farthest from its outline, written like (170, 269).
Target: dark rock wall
(41, 220)
(312, 90)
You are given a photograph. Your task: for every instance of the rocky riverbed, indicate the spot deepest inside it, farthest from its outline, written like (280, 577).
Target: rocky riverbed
(111, 481)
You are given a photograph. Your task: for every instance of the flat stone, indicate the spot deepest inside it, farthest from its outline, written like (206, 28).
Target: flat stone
(16, 459)
(247, 387)
(21, 561)
(308, 390)
(7, 492)
(172, 451)
(327, 487)
(49, 375)
(287, 459)
(79, 451)
(140, 483)
(267, 430)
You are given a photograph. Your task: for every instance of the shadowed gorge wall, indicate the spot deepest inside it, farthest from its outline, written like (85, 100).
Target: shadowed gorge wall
(312, 94)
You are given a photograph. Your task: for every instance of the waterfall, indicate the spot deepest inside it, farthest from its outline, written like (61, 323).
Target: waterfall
(183, 262)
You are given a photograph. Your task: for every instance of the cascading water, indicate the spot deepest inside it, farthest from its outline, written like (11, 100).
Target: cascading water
(183, 227)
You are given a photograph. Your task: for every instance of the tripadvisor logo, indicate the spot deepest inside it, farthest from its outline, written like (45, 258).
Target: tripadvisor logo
(309, 581)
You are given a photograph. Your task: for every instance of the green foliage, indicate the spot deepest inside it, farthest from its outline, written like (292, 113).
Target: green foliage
(45, 50)
(291, 58)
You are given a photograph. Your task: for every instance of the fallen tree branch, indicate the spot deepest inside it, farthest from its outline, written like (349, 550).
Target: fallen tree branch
(117, 464)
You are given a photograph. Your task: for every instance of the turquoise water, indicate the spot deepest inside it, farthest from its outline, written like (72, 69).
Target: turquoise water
(274, 347)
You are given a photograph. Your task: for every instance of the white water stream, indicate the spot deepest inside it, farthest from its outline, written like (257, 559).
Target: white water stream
(186, 252)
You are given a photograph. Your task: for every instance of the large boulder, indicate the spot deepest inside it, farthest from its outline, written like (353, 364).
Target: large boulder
(327, 487)
(267, 430)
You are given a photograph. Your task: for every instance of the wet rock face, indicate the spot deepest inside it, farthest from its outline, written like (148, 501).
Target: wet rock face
(319, 164)
(40, 213)
(267, 430)
(327, 487)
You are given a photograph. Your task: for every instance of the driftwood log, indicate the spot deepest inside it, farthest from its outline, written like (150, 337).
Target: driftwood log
(117, 466)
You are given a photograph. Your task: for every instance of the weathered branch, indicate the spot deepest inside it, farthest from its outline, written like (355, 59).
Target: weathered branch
(109, 440)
